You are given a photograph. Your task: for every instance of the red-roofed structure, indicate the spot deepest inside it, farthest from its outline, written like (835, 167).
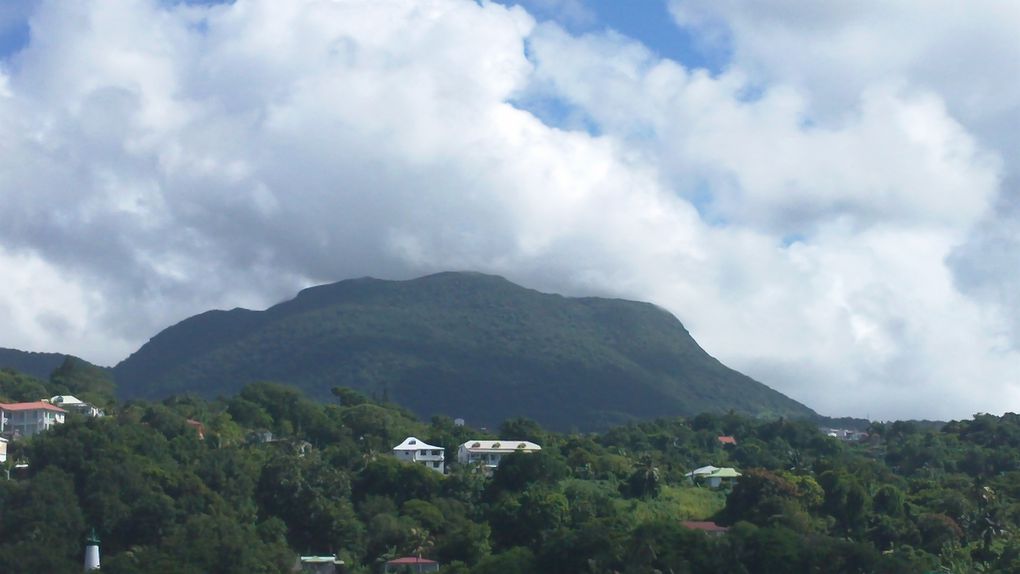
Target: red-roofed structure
(14, 407)
(27, 419)
(728, 440)
(415, 564)
(705, 526)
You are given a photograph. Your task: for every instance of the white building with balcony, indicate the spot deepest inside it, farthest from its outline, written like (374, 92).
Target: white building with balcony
(489, 453)
(414, 450)
(27, 419)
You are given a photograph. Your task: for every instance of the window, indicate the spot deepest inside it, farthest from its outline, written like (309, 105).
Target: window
(423, 453)
(436, 452)
(435, 464)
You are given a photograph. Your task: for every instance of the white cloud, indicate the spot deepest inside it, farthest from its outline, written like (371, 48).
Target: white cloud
(965, 53)
(171, 159)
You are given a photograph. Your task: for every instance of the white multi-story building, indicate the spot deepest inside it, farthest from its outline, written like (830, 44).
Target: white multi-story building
(27, 419)
(3, 450)
(414, 450)
(489, 453)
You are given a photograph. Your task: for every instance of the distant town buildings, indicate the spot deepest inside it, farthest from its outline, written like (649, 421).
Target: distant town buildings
(414, 450)
(27, 419)
(489, 453)
(846, 435)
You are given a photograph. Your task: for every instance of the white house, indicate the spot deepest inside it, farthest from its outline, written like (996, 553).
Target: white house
(489, 453)
(3, 450)
(318, 564)
(73, 403)
(27, 419)
(414, 450)
(712, 475)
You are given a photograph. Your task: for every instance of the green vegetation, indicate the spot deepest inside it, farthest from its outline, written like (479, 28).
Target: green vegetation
(38, 365)
(72, 376)
(908, 499)
(460, 344)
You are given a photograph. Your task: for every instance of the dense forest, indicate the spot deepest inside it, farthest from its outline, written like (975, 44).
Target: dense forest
(165, 499)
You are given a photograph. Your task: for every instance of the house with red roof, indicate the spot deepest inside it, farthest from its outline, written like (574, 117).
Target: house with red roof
(708, 527)
(727, 440)
(413, 564)
(27, 419)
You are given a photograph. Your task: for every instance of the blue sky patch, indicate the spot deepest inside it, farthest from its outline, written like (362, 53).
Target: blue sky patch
(647, 21)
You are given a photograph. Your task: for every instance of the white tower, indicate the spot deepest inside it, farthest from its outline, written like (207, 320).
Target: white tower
(92, 551)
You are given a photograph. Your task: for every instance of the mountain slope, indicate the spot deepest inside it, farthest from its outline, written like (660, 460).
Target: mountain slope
(39, 365)
(462, 344)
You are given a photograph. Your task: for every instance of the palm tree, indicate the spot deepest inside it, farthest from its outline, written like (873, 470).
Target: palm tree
(646, 479)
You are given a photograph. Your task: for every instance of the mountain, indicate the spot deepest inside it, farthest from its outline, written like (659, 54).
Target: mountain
(462, 344)
(39, 365)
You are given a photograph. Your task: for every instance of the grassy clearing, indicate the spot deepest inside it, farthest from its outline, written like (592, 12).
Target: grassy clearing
(679, 503)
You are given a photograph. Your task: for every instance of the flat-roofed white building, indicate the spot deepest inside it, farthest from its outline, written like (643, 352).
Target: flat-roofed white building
(414, 450)
(489, 453)
(27, 419)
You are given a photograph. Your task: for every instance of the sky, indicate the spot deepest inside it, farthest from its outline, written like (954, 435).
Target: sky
(825, 193)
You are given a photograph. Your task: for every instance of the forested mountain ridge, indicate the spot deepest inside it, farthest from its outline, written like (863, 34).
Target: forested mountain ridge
(39, 365)
(461, 344)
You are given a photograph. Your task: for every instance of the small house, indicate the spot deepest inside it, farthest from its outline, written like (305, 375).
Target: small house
(319, 565)
(713, 476)
(489, 453)
(415, 450)
(74, 404)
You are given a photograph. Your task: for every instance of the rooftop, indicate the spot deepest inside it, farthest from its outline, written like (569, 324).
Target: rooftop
(412, 560)
(35, 406)
(502, 446)
(704, 525)
(702, 471)
(321, 560)
(412, 443)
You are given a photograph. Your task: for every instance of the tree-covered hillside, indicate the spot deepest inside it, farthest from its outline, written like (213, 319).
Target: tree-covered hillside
(165, 500)
(72, 376)
(461, 344)
(39, 365)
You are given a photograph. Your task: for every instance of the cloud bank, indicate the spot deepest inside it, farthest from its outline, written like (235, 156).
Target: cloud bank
(834, 223)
